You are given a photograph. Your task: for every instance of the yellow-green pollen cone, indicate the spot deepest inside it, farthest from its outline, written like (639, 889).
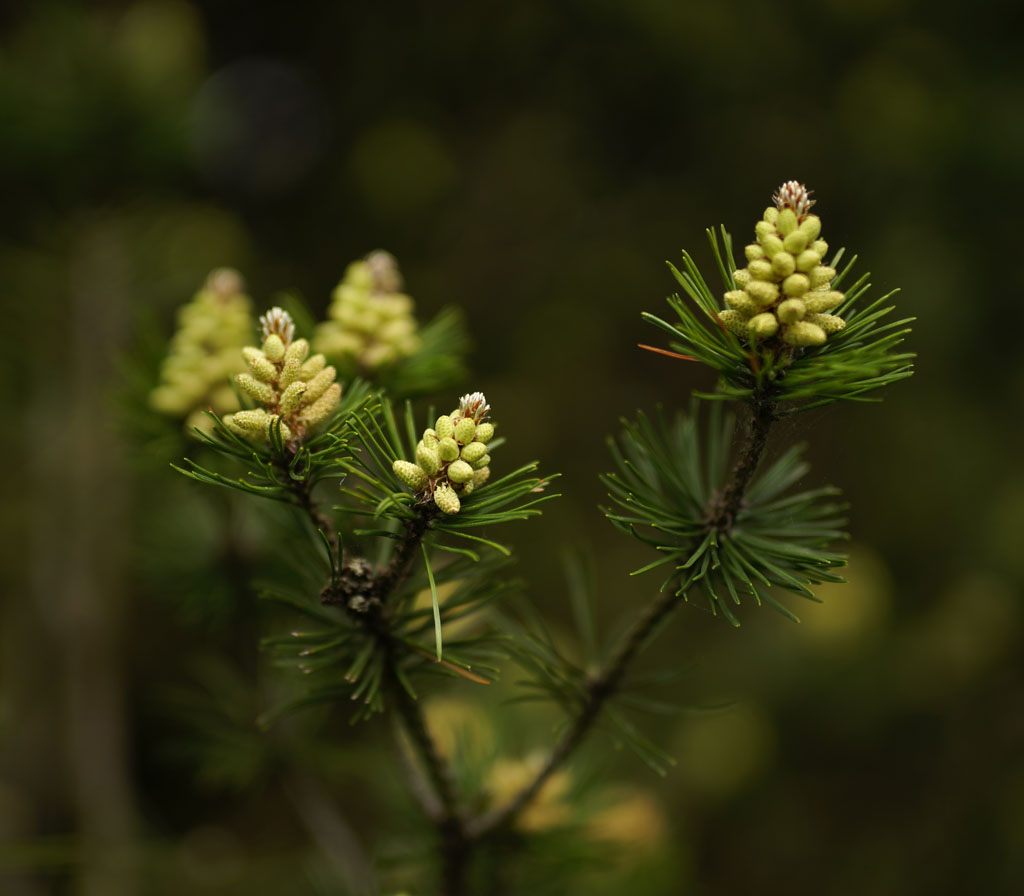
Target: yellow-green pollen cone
(204, 352)
(370, 320)
(291, 388)
(451, 458)
(785, 292)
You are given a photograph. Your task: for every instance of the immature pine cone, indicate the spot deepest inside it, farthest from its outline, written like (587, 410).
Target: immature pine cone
(451, 458)
(785, 290)
(370, 323)
(204, 352)
(299, 392)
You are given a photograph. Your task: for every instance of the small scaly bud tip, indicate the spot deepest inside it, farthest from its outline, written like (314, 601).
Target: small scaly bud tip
(794, 195)
(474, 405)
(383, 270)
(225, 282)
(279, 322)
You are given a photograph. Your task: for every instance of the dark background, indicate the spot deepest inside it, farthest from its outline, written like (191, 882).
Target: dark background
(534, 163)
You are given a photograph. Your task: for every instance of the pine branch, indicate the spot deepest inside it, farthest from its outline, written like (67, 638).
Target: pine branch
(600, 689)
(441, 806)
(302, 491)
(726, 506)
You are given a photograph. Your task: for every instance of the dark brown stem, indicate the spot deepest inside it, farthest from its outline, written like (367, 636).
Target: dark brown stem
(361, 589)
(302, 494)
(441, 806)
(365, 594)
(601, 687)
(726, 506)
(401, 560)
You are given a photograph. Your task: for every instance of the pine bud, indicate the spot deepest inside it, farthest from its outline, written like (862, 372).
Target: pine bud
(465, 429)
(484, 432)
(753, 252)
(734, 321)
(762, 292)
(444, 426)
(807, 260)
(263, 368)
(312, 367)
(292, 397)
(820, 247)
(448, 449)
(279, 322)
(803, 333)
(430, 438)
(248, 421)
(795, 285)
(410, 474)
(225, 283)
(771, 214)
(783, 264)
(323, 407)
(741, 301)
(289, 372)
(481, 475)
(459, 471)
(791, 310)
(474, 405)
(318, 385)
(786, 222)
(795, 196)
(297, 350)
(483, 462)
(811, 227)
(821, 275)
(772, 245)
(760, 269)
(254, 388)
(474, 451)
(796, 242)
(273, 347)
(830, 323)
(821, 300)
(446, 499)
(741, 277)
(763, 326)
(428, 458)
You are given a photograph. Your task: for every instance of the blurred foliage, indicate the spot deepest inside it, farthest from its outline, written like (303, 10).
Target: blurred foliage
(531, 163)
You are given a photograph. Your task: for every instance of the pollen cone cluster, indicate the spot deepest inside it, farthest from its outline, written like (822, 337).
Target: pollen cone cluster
(451, 458)
(204, 352)
(371, 323)
(785, 291)
(288, 386)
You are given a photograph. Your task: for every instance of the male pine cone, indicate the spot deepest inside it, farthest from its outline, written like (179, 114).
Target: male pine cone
(370, 321)
(785, 291)
(204, 353)
(295, 391)
(451, 458)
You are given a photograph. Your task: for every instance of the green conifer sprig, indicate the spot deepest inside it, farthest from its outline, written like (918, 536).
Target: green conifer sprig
(374, 489)
(352, 653)
(272, 469)
(664, 490)
(857, 360)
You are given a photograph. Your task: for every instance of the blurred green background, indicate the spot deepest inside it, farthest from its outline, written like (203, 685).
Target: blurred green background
(534, 163)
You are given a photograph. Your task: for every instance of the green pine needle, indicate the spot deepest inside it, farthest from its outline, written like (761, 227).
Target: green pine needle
(433, 597)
